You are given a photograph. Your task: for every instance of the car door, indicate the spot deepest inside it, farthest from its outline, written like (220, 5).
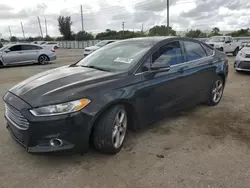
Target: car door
(13, 55)
(201, 68)
(228, 45)
(162, 91)
(31, 52)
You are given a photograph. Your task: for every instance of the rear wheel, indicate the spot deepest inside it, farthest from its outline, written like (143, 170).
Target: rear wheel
(1, 63)
(110, 131)
(43, 60)
(216, 92)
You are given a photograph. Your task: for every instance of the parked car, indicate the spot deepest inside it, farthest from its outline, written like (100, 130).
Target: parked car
(15, 54)
(54, 45)
(91, 49)
(242, 62)
(225, 44)
(127, 84)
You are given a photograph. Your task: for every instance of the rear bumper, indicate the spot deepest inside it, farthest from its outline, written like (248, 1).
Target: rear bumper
(52, 57)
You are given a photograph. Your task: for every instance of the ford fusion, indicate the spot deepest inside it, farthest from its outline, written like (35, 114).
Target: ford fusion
(124, 85)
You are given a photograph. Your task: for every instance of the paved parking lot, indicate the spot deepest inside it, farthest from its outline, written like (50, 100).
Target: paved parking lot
(203, 147)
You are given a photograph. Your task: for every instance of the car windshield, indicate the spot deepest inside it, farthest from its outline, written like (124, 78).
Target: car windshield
(116, 56)
(217, 39)
(101, 44)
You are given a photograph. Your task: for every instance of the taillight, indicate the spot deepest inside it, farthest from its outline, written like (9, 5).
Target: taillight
(53, 51)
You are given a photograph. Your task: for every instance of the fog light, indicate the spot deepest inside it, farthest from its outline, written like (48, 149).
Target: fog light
(56, 142)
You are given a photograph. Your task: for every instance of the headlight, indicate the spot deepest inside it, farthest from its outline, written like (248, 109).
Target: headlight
(59, 109)
(242, 54)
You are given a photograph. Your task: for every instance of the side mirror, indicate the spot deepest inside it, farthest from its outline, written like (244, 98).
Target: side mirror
(160, 67)
(7, 51)
(228, 41)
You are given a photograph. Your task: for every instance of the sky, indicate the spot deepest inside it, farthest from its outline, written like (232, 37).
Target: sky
(99, 15)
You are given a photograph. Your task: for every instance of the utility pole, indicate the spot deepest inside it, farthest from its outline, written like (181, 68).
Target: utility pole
(10, 32)
(142, 27)
(168, 17)
(40, 26)
(82, 18)
(46, 29)
(123, 27)
(22, 30)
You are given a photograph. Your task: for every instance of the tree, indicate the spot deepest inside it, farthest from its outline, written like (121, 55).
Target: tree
(196, 34)
(240, 33)
(83, 35)
(13, 39)
(215, 32)
(64, 24)
(108, 34)
(48, 38)
(162, 31)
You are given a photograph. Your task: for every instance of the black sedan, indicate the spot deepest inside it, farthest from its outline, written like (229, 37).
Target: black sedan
(127, 84)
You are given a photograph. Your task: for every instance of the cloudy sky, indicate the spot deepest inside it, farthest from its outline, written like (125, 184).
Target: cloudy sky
(102, 14)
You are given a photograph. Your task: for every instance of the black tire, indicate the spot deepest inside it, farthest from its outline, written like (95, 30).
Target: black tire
(1, 63)
(221, 49)
(43, 59)
(103, 131)
(56, 47)
(211, 99)
(236, 51)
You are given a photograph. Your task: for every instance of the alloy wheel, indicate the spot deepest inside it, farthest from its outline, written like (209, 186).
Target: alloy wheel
(120, 128)
(217, 91)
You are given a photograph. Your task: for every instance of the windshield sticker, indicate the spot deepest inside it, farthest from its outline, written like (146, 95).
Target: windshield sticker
(123, 60)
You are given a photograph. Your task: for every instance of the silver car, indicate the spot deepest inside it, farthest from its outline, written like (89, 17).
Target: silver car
(14, 54)
(242, 61)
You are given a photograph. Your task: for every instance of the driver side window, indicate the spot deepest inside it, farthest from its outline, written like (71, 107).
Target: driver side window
(168, 54)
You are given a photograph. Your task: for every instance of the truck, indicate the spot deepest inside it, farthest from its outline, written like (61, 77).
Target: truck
(225, 44)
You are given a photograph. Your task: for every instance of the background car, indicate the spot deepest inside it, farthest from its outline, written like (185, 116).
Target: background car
(127, 84)
(14, 54)
(242, 62)
(91, 49)
(53, 45)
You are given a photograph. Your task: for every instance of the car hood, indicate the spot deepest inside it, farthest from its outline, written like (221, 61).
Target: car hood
(92, 48)
(246, 50)
(60, 85)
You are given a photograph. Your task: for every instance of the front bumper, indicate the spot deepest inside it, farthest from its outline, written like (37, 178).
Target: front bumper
(242, 65)
(72, 129)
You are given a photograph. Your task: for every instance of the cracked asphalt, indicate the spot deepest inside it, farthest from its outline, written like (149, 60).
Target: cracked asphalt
(202, 147)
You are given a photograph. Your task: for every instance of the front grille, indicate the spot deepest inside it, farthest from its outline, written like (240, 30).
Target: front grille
(16, 118)
(244, 65)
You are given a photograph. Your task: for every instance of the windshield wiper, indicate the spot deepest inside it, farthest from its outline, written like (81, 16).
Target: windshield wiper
(94, 67)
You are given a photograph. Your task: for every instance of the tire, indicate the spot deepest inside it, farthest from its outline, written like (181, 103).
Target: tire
(56, 47)
(108, 133)
(217, 89)
(236, 51)
(1, 63)
(43, 59)
(221, 49)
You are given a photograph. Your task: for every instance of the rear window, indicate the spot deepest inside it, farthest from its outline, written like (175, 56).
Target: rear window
(209, 50)
(194, 50)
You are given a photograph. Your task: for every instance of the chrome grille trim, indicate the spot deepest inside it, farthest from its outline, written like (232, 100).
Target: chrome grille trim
(16, 118)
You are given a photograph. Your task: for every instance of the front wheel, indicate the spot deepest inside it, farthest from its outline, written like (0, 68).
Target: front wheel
(110, 131)
(43, 60)
(216, 92)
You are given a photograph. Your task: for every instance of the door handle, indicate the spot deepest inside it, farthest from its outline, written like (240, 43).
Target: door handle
(181, 69)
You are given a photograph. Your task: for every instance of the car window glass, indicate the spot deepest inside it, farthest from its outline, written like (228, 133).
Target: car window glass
(51, 43)
(168, 54)
(15, 48)
(194, 50)
(145, 66)
(209, 50)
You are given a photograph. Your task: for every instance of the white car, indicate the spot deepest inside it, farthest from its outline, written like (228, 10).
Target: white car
(53, 45)
(91, 49)
(242, 62)
(225, 44)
